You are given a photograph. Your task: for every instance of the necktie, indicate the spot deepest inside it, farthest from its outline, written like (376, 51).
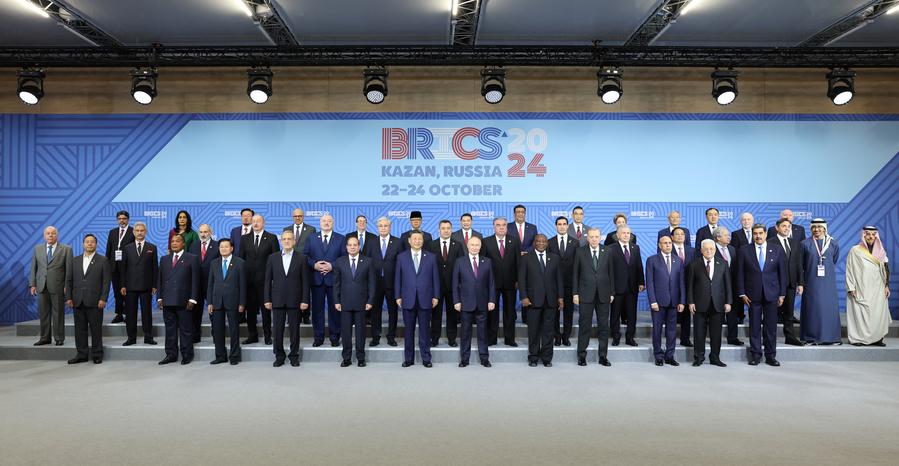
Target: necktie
(296, 233)
(542, 264)
(361, 241)
(246, 230)
(521, 232)
(140, 246)
(224, 269)
(466, 237)
(595, 260)
(174, 260)
(708, 268)
(787, 247)
(474, 266)
(325, 242)
(578, 232)
(627, 254)
(562, 246)
(415, 257)
(121, 236)
(257, 240)
(49, 254)
(383, 247)
(748, 235)
(668, 262)
(445, 251)
(353, 266)
(680, 253)
(203, 251)
(502, 249)
(761, 258)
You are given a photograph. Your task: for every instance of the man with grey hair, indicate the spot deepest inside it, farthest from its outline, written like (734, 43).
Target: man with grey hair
(384, 263)
(743, 236)
(796, 232)
(728, 254)
(51, 268)
(627, 266)
(503, 251)
(139, 272)
(207, 249)
(708, 289)
(321, 251)
(674, 219)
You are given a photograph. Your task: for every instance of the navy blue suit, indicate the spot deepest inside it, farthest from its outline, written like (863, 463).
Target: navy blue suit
(384, 263)
(177, 286)
(763, 287)
(684, 319)
(666, 289)
(353, 292)
(226, 293)
(474, 293)
(236, 233)
(322, 284)
(737, 312)
(212, 253)
(530, 231)
(417, 290)
(667, 232)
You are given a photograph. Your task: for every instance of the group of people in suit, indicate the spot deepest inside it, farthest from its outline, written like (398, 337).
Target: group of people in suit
(342, 282)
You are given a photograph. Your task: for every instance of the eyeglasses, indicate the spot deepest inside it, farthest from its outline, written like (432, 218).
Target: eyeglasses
(297, 216)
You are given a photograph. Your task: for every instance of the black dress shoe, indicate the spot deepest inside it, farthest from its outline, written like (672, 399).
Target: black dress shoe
(463, 364)
(250, 341)
(391, 341)
(718, 363)
(295, 363)
(98, 360)
(512, 344)
(605, 362)
(795, 320)
(427, 364)
(186, 361)
(581, 362)
(197, 340)
(335, 343)
(616, 341)
(277, 363)
(317, 343)
(306, 320)
(794, 341)
(631, 342)
(128, 343)
(234, 362)
(672, 362)
(374, 342)
(486, 363)
(772, 362)
(77, 360)
(361, 363)
(660, 363)
(753, 362)
(697, 363)
(736, 342)
(434, 343)
(566, 342)
(452, 343)
(346, 363)
(686, 343)
(218, 361)
(879, 343)
(532, 363)
(557, 341)
(42, 342)
(407, 363)
(547, 364)
(117, 319)
(149, 341)
(58, 343)
(167, 360)
(268, 340)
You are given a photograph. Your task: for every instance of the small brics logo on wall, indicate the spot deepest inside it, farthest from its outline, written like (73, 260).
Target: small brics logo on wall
(155, 214)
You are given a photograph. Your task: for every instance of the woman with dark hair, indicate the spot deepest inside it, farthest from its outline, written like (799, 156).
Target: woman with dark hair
(184, 227)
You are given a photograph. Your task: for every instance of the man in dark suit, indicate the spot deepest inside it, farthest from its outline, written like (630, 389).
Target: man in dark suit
(503, 251)
(728, 254)
(446, 250)
(665, 290)
(207, 249)
(368, 241)
(793, 253)
(226, 295)
(286, 292)
(86, 293)
(540, 288)
(743, 235)
(627, 264)
(322, 250)
(415, 222)
(796, 232)
(138, 274)
(524, 231)
(417, 285)
(674, 219)
(565, 246)
(179, 292)
(593, 293)
(619, 220)
(466, 231)
(245, 227)
(255, 249)
(384, 263)
(116, 240)
(708, 289)
(577, 229)
(682, 249)
(711, 217)
(51, 268)
(301, 232)
(474, 295)
(354, 293)
(762, 285)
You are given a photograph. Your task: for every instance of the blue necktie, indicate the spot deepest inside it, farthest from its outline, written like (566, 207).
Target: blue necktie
(383, 247)
(49, 254)
(224, 269)
(761, 258)
(415, 257)
(353, 267)
(542, 264)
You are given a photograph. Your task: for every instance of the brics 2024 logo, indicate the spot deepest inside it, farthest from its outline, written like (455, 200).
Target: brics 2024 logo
(469, 144)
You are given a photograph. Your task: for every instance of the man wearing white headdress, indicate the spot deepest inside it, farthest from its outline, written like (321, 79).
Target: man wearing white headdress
(820, 313)
(868, 290)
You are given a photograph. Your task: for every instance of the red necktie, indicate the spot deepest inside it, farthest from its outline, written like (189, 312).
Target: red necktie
(521, 233)
(445, 252)
(174, 260)
(203, 252)
(466, 237)
(502, 248)
(578, 232)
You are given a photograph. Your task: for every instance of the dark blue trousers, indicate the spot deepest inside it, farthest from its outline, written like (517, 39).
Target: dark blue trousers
(319, 293)
(479, 318)
(664, 317)
(423, 317)
(763, 326)
(179, 332)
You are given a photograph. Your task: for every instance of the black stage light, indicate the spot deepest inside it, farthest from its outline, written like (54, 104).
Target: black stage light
(840, 86)
(493, 85)
(30, 85)
(259, 84)
(724, 86)
(609, 87)
(143, 85)
(374, 84)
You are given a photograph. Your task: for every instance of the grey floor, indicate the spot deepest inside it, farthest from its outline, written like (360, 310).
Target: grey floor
(135, 412)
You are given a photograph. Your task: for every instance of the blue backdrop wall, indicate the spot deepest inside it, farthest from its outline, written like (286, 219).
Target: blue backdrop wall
(76, 171)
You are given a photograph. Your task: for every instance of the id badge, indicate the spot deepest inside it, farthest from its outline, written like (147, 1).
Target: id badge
(118, 255)
(820, 270)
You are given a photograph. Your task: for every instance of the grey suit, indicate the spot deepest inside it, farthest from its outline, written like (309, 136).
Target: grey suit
(86, 290)
(572, 232)
(592, 284)
(50, 280)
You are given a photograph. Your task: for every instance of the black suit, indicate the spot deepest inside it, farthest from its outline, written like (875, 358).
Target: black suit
(566, 269)
(797, 232)
(505, 276)
(369, 243)
(112, 244)
(286, 292)
(256, 258)
(138, 274)
(793, 257)
(353, 291)
(404, 239)
(541, 284)
(738, 238)
(702, 233)
(226, 293)
(454, 250)
(626, 286)
(592, 284)
(178, 285)
(212, 253)
(385, 270)
(85, 290)
(709, 298)
(737, 311)
(612, 238)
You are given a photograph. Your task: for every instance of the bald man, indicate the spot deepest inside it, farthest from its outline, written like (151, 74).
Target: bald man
(51, 268)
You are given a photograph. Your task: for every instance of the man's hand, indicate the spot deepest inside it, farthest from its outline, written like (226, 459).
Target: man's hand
(268, 306)
(525, 302)
(458, 307)
(241, 308)
(158, 304)
(190, 305)
(101, 304)
(304, 306)
(399, 302)
(680, 308)
(692, 309)
(368, 307)
(337, 306)
(575, 300)
(726, 308)
(654, 306)
(34, 291)
(153, 291)
(886, 291)
(640, 288)
(561, 303)
(799, 290)
(123, 291)
(780, 301)
(611, 299)
(746, 300)
(209, 309)
(70, 303)
(491, 306)
(434, 302)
